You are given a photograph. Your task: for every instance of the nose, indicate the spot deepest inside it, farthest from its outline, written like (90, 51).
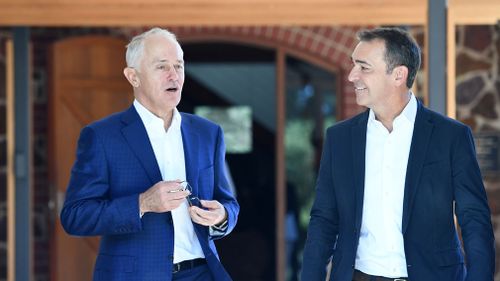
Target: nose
(353, 74)
(172, 73)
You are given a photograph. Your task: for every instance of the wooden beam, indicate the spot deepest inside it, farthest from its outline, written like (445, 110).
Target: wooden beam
(485, 12)
(211, 12)
(451, 101)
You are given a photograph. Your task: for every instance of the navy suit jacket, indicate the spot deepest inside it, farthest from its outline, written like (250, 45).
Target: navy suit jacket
(115, 163)
(442, 179)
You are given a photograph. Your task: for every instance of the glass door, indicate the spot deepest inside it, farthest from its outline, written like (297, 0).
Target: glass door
(310, 108)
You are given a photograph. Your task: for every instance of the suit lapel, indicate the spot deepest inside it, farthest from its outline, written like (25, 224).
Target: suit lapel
(136, 136)
(358, 145)
(191, 145)
(190, 141)
(421, 137)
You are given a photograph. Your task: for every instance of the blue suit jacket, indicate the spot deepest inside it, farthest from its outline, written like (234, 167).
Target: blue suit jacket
(442, 176)
(115, 163)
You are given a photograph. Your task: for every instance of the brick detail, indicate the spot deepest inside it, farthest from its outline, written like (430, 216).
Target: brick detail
(332, 45)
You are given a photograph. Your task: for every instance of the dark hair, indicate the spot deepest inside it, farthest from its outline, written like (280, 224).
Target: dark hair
(400, 49)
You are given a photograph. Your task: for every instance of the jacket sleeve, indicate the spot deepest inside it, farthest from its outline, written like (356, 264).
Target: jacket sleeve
(88, 209)
(323, 226)
(472, 210)
(222, 190)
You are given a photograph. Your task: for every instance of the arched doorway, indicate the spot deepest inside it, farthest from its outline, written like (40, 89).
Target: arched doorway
(225, 75)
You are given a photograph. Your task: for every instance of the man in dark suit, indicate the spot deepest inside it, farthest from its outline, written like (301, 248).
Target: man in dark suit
(391, 180)
(150, 180)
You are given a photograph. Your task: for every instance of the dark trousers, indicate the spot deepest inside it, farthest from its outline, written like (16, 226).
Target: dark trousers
(199, 273)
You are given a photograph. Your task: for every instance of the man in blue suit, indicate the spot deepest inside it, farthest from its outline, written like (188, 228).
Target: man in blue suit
(391, 180)
(150, 180)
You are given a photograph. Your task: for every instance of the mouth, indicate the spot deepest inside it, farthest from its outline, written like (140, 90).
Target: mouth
(172, 89)
(359, 89)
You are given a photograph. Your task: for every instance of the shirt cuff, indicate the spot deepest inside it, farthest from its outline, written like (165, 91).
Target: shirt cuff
(218, 230)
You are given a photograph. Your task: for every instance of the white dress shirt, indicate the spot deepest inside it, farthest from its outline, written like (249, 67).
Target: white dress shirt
(381, 246)
(169, 152)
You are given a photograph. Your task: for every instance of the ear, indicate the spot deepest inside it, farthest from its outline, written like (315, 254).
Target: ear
(131, 76)
(400, 75)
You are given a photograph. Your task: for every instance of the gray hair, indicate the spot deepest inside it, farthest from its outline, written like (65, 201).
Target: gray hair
(136, 46)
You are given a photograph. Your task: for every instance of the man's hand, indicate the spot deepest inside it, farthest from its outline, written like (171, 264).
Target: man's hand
(213, 213)
(162, 197)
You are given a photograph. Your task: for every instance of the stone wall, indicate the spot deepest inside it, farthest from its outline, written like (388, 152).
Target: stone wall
(478, 98)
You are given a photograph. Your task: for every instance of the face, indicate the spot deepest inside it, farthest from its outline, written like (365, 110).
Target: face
(160, 75)
(372, 85)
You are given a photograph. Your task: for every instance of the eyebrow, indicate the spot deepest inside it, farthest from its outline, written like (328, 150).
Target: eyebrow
(165, 60)
(361, 61)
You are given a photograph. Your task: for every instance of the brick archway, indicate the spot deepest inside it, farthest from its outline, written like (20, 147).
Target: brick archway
(327, 47)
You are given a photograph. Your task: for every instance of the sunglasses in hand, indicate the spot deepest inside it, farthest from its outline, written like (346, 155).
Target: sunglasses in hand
(192, 200)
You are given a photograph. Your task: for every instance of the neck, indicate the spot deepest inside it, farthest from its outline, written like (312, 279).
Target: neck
(167, 119)
(392, 110)
(165, 115)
